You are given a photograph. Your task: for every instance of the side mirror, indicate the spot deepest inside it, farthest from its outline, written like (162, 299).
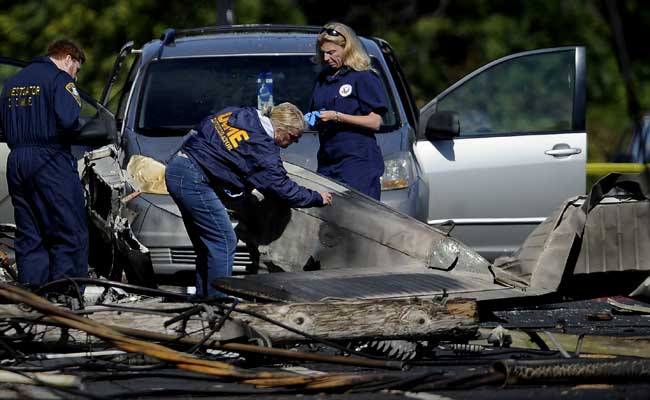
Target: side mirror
(442, 125)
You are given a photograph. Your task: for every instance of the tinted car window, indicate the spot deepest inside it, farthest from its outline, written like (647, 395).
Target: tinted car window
(178, 93)
(117, 102)
(88, 109)
(528, 94)
(390, 119)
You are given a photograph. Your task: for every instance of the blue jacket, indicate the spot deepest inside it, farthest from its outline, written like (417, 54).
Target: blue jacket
(236, 153)
(40, 106)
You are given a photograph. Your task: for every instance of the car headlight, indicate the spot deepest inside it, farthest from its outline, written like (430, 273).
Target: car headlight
(398, 171)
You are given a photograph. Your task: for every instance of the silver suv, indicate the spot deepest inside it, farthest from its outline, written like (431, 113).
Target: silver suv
(491, 156)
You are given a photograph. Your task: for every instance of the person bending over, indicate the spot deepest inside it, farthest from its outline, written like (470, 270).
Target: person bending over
(235, 150)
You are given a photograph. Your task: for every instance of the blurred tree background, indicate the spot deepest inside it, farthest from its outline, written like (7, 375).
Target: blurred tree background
(437, 41)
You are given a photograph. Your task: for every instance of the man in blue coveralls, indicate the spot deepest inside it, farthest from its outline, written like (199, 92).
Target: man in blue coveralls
(39, 112)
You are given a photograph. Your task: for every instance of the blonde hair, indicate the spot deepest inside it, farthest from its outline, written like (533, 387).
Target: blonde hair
(285, 116)
(354, 55)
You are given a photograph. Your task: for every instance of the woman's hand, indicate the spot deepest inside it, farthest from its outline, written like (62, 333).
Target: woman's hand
(329, 115)
(327, 198)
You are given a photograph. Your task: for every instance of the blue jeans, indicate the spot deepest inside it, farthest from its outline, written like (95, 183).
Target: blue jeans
(206, 221)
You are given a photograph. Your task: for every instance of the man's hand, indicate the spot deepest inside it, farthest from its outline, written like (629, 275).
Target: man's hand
(327, 198)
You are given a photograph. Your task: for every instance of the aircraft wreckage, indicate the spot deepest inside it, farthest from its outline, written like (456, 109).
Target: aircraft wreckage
(362, 249)
(359, 278)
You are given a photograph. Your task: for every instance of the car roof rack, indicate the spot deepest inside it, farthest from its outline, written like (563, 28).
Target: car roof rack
(178, 33)
(170, 35)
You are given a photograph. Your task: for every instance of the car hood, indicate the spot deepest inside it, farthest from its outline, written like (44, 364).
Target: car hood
(161, 201)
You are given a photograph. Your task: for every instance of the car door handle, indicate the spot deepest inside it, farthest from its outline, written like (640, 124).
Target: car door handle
(563, 152)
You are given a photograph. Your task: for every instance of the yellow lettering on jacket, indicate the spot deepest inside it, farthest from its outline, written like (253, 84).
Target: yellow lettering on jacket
(221, 133)
(230, 136)
(21, 96)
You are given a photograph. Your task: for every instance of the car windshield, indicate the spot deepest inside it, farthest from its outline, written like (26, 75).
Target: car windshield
(179, 93)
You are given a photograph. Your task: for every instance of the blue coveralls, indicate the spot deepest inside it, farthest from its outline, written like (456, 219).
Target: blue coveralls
(39, 111)
(231, 153)
(349, 153)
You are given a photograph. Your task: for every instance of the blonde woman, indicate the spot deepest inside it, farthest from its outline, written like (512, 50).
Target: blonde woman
(350, 99)
(234, 151)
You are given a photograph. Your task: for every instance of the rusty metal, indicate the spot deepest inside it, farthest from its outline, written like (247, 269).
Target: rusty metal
(599, 316)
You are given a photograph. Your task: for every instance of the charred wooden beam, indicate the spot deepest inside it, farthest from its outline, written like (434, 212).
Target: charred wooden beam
(365, 319)
(334, 320)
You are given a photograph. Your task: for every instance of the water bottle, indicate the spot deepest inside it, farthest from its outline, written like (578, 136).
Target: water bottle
(265, 90)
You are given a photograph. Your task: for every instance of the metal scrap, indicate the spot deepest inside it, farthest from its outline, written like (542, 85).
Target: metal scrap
(605, 232)
(628, 307)
(356, 232)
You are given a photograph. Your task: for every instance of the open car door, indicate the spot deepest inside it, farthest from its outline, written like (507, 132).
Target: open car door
(520, 152)
(98, 129)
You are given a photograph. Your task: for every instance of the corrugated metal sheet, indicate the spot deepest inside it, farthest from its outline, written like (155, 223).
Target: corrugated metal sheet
(613, 237)
(369, 283)
(616, 238)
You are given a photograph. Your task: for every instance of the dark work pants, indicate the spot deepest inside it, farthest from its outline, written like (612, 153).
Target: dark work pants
(51, 227)
(360, 170)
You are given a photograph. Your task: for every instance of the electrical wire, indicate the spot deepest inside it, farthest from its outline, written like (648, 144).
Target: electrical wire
(400, 382)
(185, 392)
(466, 381)
(86, 365)
(214, 329)
(126, 286)
(137, 310)
(75, 392)
(151, 374)
(329, 382)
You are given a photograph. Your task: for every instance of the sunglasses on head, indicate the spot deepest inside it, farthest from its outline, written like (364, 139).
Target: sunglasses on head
(331, 32)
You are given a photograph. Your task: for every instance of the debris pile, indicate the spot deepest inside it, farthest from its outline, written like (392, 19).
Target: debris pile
(131, 333)
(440, 319)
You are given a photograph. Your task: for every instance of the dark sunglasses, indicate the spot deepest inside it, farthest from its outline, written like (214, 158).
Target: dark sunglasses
(331, 32)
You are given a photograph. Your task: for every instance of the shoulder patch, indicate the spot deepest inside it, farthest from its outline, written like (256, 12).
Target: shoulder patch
(345, 90)
(72, 89)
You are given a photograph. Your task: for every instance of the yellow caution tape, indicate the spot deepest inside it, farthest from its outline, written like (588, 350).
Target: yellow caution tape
(606, 168)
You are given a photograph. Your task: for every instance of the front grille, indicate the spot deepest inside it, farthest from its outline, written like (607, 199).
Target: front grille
(183, 255)
(243, 258)
(171, 260)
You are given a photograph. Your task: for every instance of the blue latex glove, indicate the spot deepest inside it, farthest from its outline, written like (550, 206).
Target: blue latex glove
(311, 117)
